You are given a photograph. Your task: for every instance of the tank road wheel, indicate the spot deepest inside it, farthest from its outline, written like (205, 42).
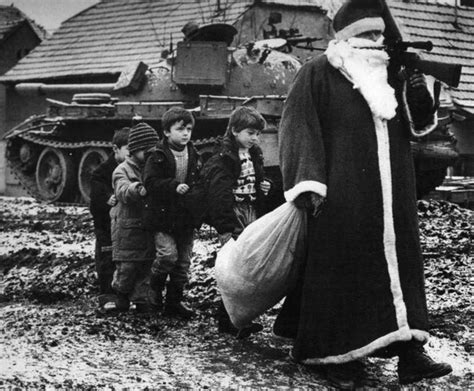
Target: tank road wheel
(90, 160)
(55, 175)
(28, 155)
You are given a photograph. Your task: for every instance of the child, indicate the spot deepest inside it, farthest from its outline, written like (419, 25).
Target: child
(102, 199)
(169, 174)
(236, 187)
(132, 245)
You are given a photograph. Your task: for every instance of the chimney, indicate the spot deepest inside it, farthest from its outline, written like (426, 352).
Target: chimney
(455, 24)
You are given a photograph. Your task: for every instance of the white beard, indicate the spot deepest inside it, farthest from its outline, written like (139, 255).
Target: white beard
(367, 70)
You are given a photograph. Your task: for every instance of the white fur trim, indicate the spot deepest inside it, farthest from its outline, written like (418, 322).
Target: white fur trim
(428, 128)
(305, 186)
(403, 334)
(389, 238)
(361, 26)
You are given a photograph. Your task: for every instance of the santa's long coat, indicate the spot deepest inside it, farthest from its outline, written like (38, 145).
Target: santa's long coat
(363, 286)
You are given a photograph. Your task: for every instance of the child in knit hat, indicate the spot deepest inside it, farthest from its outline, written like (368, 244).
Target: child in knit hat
(132, 245)
(170, 173)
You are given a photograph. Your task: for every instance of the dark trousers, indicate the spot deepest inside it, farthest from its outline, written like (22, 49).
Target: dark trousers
(105, 267)
(173, 258)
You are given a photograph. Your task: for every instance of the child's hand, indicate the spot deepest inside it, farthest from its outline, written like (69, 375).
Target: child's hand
(182, 188)
(265, 186)
(112, 201)
(142, 191)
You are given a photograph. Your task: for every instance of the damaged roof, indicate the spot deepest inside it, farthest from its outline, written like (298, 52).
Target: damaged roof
(110, 35)
(451, 30)
(11, 18)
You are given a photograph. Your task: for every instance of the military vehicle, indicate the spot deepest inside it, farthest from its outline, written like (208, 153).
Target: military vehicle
(54, 154)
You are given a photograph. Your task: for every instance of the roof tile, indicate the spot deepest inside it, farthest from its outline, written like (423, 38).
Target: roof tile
(451, 37)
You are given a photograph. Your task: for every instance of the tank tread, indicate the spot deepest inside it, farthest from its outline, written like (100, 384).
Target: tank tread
(100, 144)
(64, 144)
(29, 183)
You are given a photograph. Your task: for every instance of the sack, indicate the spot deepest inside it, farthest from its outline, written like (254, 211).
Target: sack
(257, 270)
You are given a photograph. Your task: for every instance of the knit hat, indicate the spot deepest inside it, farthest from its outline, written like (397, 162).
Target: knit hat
(357, 17)
(142, 136)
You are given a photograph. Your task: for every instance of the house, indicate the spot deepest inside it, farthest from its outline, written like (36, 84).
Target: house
(18, 36)
(450, 28)
(90, 50)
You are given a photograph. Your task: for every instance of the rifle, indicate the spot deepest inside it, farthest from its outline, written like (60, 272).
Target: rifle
(399, 56)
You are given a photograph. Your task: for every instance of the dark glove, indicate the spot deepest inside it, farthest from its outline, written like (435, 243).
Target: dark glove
(419, 99)
(417, 89)
(313, 202)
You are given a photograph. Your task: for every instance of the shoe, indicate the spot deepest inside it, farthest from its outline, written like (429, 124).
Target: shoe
(225, 326)
(156, 300)
(346, 376)
(178, 309)
(284, 333)
(414, 364)
(106, 298)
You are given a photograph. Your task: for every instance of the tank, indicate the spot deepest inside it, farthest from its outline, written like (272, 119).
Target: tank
(54, 154)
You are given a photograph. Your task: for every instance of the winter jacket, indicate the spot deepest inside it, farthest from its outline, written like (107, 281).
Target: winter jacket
(220, 173)
(166, 210)
(101, 191)
(130, 241)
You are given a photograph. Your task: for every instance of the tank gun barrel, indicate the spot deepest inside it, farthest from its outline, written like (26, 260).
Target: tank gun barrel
(41, 88)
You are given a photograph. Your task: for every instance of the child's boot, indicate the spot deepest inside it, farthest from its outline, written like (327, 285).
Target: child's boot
(174, 304)
(122, 302)
(157, 285)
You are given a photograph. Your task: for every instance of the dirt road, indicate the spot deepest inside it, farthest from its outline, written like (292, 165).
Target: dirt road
(52, 337)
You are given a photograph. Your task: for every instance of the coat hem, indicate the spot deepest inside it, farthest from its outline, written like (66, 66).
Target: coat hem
(303, 187)
(402, 334)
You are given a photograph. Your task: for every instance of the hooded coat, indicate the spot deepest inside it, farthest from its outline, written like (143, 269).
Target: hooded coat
(362, 287)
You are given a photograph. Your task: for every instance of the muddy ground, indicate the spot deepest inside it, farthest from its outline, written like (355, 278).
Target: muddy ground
(52, 337)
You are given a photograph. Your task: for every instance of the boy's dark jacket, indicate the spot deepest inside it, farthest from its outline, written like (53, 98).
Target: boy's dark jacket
(166, 210)
(101, 190)
(220, 174)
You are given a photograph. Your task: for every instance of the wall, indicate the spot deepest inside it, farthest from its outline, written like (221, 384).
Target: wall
(16, 46)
